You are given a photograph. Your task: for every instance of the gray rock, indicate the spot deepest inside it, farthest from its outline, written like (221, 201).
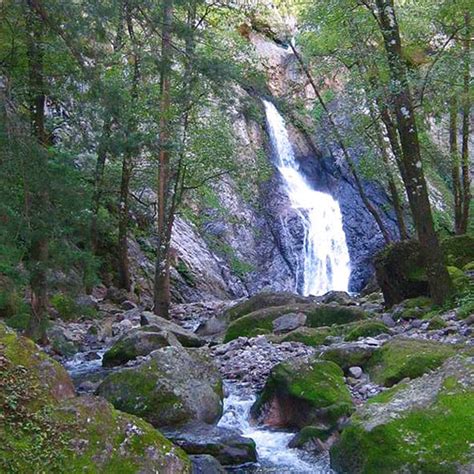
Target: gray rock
(338, 297)
(173, 386)
(288, 322)
(128, 305)
(355, 372)
(226, 445)
(185, 337)
(469, 320)
(388, 320)
(206, 464)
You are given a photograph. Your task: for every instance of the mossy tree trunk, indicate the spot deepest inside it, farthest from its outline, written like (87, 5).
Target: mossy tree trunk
(415, 183)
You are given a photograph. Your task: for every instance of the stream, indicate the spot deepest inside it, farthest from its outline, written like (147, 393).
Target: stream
(274, 456)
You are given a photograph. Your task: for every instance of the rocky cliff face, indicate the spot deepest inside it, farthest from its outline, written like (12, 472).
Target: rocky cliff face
(253, 241)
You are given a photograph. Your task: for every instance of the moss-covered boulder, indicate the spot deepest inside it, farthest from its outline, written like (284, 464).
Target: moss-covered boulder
(406, 358)
(109, 441)
(367, 329)
(436, 322)
(138, 342)
(309, 336)
(310, 438)
(400, 267)
(174, 387)
(44, 427)
(264, 300)
(422, 426)
(317, 315)
(304, 392)
(52, 382)
(461, 281)
(412, 308)
(349, 354)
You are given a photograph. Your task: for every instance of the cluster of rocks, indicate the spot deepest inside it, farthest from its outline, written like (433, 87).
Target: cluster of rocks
(250, 360)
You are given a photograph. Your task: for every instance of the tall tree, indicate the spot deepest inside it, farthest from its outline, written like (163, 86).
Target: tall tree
(466, 122)
(455, 162)
(37, 201)
(415, 183)
(164, 222)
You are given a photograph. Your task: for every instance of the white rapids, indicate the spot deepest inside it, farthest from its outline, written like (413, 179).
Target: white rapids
(326, 263)
(274, 455)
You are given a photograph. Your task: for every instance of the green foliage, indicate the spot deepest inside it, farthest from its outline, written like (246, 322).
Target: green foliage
(367, 329)
(65, 306)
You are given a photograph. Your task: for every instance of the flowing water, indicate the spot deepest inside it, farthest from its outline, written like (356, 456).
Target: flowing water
(326, 263)
(274, 456)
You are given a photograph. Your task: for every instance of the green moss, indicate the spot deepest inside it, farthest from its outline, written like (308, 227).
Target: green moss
(436, 323)
(401, 358)
(309, 336)
(461, 282)
(437, 439)
(346, 356)
(317, 385)
(367, 329)
(308, 434)
(458, 250)
(469, 267)
(318, 315)
(387, 395)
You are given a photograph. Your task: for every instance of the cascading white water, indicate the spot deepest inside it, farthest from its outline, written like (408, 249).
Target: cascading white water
(326, 263)
(274, 455)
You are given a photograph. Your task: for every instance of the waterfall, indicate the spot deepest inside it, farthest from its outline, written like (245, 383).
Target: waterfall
(326, 263)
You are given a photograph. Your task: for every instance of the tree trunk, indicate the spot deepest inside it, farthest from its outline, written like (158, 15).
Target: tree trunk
(98, 182)
(162, 269)
(453, 149)
(127, 165)
(38, 201)
(466, 110)
(369, 206)
(438, 277)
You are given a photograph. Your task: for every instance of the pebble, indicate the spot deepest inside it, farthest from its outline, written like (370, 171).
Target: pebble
(355, 372)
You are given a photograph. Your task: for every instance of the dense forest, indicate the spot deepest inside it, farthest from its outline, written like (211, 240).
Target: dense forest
(236, 236)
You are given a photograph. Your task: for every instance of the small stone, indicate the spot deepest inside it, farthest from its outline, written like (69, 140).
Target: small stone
(128, 305)
(388, 320)
(355, 372)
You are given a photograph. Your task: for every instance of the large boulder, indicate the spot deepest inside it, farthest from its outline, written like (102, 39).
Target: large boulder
(317, 315)
(138, 342)
(45, 426)
(400, 267)
(22, 358)
(176, 386)
(403, 358)
(264, 300)
(107, 440)
(226, 445)
(421, 426)
(303, 392)
(185, 337)
(350, 354)
(400, 271)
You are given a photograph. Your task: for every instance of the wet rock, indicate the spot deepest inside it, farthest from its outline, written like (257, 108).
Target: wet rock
(313, 439)
(173, 387)
(224, 444)
(206, 464)
(288, 322)
(128, 305)
(350, 354)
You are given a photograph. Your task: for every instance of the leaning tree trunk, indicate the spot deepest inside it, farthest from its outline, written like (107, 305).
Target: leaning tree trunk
(466, 114)
(368, 205)
(454, 153)
(38, 199)
(438, 277)
(162, 269)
